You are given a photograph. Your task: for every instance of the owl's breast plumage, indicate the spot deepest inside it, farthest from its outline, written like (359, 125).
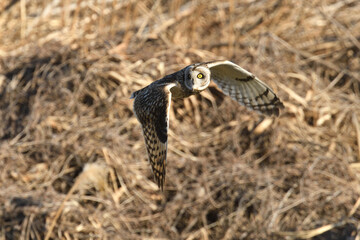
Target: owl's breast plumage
(179, 92)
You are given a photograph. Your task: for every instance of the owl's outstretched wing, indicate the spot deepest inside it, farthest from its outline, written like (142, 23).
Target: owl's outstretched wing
(244, 87)
(151, 107)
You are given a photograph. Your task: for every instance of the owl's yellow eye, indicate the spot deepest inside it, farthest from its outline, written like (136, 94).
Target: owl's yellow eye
(200, 76)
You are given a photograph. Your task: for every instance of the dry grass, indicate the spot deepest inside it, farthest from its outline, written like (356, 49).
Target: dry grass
(72, 158)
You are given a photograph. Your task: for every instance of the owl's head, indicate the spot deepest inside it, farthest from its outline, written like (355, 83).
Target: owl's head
(197, 78)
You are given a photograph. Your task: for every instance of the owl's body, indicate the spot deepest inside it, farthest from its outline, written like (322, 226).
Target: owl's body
(152, 103)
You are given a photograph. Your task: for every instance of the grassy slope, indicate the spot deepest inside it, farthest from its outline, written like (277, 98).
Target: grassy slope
(70, 144)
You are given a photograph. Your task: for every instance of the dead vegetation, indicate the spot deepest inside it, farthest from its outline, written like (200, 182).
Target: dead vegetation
(72, 159)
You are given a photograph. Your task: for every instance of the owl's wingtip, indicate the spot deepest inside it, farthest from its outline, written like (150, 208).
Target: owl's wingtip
(160, 182)
(275, 111)
(279, 106)
(272, 111)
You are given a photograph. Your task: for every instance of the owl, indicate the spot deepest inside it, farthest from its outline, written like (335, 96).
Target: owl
(152, 103)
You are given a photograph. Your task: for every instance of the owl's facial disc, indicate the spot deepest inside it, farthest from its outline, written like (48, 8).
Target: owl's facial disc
(197, 79)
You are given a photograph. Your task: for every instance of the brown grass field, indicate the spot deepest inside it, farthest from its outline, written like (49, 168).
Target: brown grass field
(73, 163)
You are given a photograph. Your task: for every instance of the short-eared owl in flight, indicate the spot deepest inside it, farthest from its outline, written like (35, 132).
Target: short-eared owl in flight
(152, 103)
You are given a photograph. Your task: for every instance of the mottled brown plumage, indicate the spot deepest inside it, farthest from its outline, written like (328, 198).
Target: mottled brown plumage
(152, 103)
(151, 107)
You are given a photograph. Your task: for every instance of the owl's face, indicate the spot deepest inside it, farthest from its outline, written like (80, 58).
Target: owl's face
(197, 78)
